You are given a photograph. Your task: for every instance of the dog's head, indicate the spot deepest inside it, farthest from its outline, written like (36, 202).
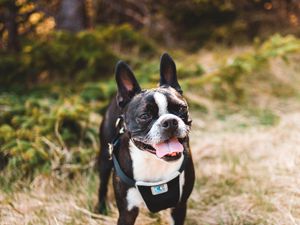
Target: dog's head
(157, 119)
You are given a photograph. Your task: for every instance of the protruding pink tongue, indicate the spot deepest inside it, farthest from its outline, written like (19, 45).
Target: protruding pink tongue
(168, 147)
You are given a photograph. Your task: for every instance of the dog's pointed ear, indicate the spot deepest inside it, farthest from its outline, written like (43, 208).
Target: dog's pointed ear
(127, 83)
(168, 74)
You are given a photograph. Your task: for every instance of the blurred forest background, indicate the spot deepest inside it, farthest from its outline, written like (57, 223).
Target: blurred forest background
(57, 61)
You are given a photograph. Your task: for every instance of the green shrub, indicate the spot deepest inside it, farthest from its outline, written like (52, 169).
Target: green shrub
(229, 82)
(46, 132)
(88, 55)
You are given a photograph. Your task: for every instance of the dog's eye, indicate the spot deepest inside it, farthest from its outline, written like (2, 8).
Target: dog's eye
(182, 109)
(145, 116)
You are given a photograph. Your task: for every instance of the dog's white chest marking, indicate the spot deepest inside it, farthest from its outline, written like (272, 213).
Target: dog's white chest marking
(148, 168)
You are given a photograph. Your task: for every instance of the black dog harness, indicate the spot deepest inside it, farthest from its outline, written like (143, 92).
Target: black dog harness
(156, 195)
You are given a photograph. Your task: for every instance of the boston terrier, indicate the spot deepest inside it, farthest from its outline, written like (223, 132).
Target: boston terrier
(145, 137)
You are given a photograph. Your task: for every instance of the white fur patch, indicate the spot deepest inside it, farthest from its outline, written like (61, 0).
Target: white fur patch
(148, 167)
(161, 102)
(134, 198)
(172, 222)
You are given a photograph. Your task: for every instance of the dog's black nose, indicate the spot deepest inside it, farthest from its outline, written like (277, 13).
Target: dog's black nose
(170, 124)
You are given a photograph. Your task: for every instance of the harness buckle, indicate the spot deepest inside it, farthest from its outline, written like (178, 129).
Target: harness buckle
(110, 150)
(122, 130)
(118, 121)
(119, 125)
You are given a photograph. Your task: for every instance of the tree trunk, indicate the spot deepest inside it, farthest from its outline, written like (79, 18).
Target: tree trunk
(71, 15)
(11, 25)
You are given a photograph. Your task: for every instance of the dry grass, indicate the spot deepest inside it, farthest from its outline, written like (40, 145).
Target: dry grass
(246, 174)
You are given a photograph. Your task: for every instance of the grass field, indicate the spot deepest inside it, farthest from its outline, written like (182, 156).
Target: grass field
(247, 157)
(247, 173)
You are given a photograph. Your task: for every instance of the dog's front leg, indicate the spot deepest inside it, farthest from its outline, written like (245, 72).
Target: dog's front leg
(178, 214)
(106, 166)
(128, 217)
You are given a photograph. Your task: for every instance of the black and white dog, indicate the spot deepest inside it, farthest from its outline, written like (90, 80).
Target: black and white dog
(145, 132)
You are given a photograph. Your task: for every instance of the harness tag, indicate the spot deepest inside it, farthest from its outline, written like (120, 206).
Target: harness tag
(159, 189)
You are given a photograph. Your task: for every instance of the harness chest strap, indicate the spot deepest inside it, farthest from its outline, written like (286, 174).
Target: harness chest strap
(131, 182)
(157, 196)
